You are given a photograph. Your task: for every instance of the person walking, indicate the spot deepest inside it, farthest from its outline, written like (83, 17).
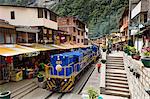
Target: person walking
(98, 67)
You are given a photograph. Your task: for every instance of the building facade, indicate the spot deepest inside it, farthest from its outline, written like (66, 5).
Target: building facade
(7, 33)
(33, 22)
(123, 25)
(73, 26)
(139, 22)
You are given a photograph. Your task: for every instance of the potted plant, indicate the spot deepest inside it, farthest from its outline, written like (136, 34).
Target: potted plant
(125, 49)
(40, 77)
(103, 61)
(136, 56)
(5, 95)
(146, 59)
(93, 94)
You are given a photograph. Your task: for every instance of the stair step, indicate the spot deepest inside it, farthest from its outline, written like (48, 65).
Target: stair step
(116, 78)
(22, 90)
(117, 89)
(117, 85)
(116, 75)
(116, 93)
(115, 63)
(114, 71)
(116, 82)
(111, 67)
(25, 92)
(115, 57)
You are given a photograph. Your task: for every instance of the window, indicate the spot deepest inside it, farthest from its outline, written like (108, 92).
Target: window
(53, 16)
(1, 37)
(74, 29)
(45, 13)
(78, 40)
(67, 21)
(82, 41)
(74, 38)
(145, 17)
(40, 13)
(82, 33)
(12, 14)
(31, 37)
(78, 32)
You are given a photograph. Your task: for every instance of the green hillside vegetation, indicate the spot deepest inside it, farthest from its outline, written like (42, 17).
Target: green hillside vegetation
(95, 13)
(18, 2)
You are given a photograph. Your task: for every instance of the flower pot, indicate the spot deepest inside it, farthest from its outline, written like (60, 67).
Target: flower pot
(146, 62)
(40, 78)
(5, 95)
(136, 57)
(104, 50)
(103, 61)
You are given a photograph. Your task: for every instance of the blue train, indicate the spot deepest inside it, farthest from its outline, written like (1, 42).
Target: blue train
(67, 68)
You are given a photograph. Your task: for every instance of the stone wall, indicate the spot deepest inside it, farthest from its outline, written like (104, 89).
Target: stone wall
(137, 86)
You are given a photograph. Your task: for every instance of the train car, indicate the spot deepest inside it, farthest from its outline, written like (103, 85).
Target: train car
(67, 68)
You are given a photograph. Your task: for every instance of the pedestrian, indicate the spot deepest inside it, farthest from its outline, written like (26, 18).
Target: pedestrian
(98, 67)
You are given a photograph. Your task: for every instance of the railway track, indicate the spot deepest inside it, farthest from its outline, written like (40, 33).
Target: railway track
(55, 95)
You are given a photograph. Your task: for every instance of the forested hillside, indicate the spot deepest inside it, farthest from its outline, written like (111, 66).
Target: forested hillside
(19, 2)
(95, 13)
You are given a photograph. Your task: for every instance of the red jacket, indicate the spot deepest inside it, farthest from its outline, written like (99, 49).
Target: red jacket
(98, 65)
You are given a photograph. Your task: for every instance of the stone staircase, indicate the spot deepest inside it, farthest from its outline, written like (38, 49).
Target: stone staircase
(20, 92)
(116, 78)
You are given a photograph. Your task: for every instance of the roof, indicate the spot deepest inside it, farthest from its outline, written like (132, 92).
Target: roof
(11, 50)
(4, 24)
(73, 18)
(28, 7)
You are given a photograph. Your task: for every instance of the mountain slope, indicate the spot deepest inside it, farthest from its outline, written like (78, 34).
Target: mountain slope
(96, 13)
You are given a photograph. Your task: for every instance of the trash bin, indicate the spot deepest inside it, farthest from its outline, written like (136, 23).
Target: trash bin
(100, 97)
(5, 95)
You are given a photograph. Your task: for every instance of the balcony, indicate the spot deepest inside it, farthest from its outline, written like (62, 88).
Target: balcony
(125, 25)
(142, 6)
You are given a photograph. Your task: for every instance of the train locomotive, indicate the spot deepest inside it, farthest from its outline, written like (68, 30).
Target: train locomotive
(67, 68)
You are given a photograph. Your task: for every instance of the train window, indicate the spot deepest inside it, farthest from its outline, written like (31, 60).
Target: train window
(76, 60)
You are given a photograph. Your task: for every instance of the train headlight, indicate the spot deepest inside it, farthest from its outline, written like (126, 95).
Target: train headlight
(58, 68)
(65, 80)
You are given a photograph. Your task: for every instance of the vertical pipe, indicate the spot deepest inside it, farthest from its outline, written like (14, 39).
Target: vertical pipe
(129, 17)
